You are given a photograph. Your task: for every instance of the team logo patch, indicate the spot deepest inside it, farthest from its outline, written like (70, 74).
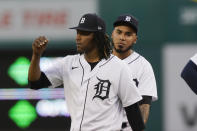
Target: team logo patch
(82, 20)
(99, 28)
(102, 89)
(128, 18)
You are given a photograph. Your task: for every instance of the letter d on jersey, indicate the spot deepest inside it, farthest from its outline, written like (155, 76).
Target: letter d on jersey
(102, 89)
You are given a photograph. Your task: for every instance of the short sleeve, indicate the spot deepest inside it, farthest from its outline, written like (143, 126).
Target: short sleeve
(54, 72)
(147, 83)
(127, 91)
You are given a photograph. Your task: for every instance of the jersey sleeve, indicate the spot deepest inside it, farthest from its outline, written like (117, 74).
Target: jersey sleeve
(194, 58)
(189, 74)
(54, 72)
(127, 91)
(147, 83)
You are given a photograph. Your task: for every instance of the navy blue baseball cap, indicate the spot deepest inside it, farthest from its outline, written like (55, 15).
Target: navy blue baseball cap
(91, 22)
(127, 19)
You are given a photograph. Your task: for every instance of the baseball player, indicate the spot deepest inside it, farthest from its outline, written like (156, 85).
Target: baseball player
(124, 36)
(96, 83)
(189, 73)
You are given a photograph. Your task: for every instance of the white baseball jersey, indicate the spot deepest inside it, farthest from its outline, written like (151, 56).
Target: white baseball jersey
(94, 98)
(143, 76)
(194, 58)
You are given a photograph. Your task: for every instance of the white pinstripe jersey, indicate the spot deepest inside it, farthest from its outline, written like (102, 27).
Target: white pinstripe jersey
(194, 58)
(94, 98)
(143, 76)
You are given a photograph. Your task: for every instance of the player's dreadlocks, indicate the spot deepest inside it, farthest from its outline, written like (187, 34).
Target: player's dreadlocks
(103, 44)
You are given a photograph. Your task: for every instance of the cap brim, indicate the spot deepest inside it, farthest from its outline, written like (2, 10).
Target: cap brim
(83, 29)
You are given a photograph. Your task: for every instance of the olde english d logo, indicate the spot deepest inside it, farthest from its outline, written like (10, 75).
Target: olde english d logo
(102, 89)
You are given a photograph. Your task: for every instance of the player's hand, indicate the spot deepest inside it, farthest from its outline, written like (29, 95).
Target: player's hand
(39, 45)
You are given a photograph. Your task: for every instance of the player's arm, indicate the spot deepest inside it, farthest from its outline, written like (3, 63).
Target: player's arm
(144, 105)
(147, 88)
(189, 74)
(134, 117)
(34, 74)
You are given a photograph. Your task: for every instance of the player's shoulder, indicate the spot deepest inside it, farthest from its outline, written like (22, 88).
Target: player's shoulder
(138, 61)
(195, 55)
(141, 59)
(194, 58)
(71, 57)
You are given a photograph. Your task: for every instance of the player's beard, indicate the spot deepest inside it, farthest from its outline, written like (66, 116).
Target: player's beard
(121, 50)
(80, 51)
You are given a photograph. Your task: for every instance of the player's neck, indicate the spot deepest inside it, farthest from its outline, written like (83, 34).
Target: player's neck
(122, 55)
(92, 56)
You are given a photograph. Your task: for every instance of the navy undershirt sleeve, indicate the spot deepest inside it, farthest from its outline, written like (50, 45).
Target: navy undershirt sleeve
(189, 74)
(146, 100)
(41, 83)
(134, 117)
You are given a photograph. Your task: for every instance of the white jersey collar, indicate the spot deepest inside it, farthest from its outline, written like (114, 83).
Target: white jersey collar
(87, 68)
(101, 63)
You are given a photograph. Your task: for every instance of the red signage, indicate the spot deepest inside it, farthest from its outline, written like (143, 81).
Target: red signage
(44, 18)
(5, 19)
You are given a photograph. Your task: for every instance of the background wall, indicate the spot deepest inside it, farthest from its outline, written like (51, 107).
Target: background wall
(164, 26)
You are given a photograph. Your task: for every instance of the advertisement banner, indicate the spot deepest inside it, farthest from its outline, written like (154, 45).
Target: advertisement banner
(24, 20)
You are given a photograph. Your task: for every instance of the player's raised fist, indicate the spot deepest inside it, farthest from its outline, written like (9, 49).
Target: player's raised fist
(39, 45)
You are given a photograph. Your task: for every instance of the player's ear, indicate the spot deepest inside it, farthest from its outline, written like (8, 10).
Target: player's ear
(112, 34)
(135, 39)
